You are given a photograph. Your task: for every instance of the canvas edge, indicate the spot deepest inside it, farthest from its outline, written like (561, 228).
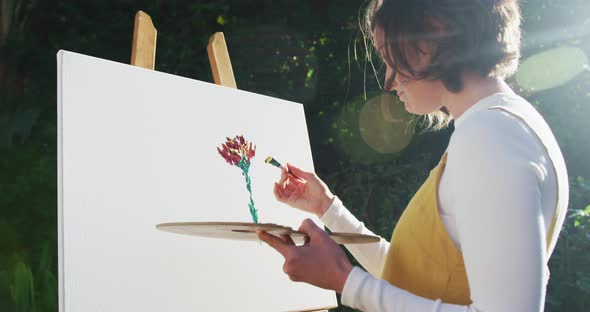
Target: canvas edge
(60, 253)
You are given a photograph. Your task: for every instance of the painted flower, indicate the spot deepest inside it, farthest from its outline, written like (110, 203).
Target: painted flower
(239, 152)
(237, 149)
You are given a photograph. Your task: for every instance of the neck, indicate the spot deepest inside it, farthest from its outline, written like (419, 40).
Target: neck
(474, 89)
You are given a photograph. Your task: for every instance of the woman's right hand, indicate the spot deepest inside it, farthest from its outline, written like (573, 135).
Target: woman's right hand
(306, 191)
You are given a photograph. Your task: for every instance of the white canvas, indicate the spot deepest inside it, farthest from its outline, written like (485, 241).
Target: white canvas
(137, 148)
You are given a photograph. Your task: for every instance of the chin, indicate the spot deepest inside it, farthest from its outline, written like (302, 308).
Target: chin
(412, 109)
(418, 109)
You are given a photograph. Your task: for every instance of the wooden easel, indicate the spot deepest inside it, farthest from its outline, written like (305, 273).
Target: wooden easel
(143, 54)
(143, 51)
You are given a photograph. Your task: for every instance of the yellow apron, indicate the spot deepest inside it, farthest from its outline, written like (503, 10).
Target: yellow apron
(422, 258)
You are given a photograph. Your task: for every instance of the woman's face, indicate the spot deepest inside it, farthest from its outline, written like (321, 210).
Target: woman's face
(419, 96)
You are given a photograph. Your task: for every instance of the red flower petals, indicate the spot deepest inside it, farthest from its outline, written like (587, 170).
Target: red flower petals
(236, 149)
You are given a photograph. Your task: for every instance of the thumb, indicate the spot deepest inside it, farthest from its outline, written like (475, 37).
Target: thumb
(310, 228)
(300, 173)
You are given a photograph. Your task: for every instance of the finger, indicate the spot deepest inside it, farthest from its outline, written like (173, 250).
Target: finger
(287, 239)
(284, 193)
(278, 193)
(290, 186)
(300, 187)
(297, 182)
(275, 242)
(294, 177)
(284, 178)
(292, 197)
(306, 240)
(300, 173)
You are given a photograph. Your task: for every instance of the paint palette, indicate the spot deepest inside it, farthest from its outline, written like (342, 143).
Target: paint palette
(247, 231)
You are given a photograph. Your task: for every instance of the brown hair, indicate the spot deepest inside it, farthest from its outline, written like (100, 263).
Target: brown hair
(480, 36)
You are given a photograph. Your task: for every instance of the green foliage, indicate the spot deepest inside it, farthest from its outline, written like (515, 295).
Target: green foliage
(32, 290)
(19, 126)
(22, 289)
(569, 286)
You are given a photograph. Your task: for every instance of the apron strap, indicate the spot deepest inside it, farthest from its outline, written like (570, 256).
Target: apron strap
(529, 115)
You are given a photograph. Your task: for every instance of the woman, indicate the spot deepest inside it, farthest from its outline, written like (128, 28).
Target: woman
(478, 234)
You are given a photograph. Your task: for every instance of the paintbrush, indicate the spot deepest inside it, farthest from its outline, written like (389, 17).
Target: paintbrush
(274, 162)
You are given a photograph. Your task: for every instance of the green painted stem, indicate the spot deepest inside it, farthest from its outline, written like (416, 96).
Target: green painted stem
(245, 166)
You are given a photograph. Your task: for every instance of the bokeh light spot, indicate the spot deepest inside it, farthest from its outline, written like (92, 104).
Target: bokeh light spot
(551, 68)
(385, 125)
(374, 130)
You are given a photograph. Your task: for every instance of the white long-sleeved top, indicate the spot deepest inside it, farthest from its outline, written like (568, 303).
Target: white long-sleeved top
(497, 197)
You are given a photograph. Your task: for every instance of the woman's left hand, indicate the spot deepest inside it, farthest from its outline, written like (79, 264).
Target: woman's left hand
(320, 261)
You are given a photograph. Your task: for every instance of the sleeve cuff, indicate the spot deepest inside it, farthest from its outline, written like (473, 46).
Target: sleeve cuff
(331, 216)
(352, 286)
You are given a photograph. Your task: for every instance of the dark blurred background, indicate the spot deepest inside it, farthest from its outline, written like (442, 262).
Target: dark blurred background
(308, 51)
